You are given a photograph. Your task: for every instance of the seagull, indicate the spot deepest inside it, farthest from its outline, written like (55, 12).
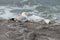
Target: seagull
(22, 17)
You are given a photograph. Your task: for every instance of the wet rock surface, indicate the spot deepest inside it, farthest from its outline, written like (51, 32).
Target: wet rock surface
(11, 30)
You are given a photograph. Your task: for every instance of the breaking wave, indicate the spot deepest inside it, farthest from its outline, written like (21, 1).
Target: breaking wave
(39, 8)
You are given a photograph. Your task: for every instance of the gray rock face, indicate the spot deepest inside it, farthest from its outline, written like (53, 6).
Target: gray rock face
(11, 30)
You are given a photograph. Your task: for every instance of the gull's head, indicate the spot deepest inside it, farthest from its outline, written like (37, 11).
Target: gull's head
(24, 14)
(47, 21)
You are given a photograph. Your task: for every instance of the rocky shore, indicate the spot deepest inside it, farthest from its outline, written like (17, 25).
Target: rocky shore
(12, 30)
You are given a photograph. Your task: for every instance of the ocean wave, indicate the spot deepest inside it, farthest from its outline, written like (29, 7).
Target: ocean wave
(47, 12)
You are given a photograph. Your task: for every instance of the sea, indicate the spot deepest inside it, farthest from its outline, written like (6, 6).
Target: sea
(48, 9)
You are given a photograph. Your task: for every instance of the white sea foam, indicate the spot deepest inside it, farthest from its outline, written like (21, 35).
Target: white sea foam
(30, 7)
(35, 18)
(3, 7)
(25, 7)
(7, 14)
